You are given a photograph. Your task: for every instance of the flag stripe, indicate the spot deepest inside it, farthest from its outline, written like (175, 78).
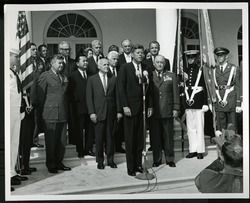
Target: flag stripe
(26, 65)
(25, 48)
(25, 57)
(24, 40)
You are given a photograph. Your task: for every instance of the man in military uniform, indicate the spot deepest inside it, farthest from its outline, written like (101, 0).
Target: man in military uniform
(166, 106)
(227, 84)
(196, 105)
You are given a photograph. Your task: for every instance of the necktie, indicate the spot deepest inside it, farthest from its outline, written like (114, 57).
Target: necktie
(85, 75)
(221, 69)
(104, 83)
(114, 72)
(59, 77)
(159, 75)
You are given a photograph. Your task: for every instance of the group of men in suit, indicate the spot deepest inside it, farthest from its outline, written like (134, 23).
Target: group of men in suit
(100, 100)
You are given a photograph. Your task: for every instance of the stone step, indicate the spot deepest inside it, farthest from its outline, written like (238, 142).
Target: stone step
(87, 179)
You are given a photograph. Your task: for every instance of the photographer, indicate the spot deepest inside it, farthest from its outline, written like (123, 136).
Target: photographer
(225, 174)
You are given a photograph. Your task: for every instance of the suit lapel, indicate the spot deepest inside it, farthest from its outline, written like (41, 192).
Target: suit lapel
(99, 81)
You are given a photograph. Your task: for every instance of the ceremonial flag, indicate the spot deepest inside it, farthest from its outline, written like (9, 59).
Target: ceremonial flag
(207, 48)
(26, 66)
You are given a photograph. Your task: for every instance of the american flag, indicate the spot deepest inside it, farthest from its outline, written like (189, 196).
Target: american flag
(26, 66)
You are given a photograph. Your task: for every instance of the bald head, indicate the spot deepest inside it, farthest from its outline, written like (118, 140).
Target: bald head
(113, 58)
(64, 48)
(159, 62)
(103, 65)
(126, 46)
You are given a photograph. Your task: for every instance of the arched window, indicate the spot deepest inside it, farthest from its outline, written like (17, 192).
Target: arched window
(190, 31)
(239, 39)
(71, 24)
(79, 28)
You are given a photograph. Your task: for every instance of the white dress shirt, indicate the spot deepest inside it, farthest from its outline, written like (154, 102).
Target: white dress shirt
(83, 73)
(128, 57)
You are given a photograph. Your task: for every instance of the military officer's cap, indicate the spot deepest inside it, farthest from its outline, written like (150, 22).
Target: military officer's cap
(191, 53)
(221, 51)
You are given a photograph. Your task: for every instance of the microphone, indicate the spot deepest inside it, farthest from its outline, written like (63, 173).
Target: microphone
(145, 74)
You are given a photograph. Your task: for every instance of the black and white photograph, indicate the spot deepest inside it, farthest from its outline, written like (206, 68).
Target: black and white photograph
(135, 100)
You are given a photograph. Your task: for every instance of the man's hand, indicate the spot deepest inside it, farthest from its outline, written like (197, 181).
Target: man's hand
(175, 113)
(127, 111)
(238, 109)
(205, 108)
(29, 109)
(93, 118)
(150, 112)
(119, 116)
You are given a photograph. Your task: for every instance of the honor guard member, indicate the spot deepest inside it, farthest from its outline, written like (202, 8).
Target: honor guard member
(196, 105)
(227, 84)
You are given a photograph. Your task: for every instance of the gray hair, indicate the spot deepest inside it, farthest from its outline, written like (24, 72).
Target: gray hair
(112, 53)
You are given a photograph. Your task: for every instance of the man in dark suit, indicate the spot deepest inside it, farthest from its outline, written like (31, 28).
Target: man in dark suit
(101, 102)
(196, 104)
(68, 63)
(166, 106)
(227, 85)
(97, 54)
(68, 68)
(77, 98)
(118, 128)
(131, 96)
(43, 56)
(154, 48)
(29, 122)
(52, 86)
(125, 57)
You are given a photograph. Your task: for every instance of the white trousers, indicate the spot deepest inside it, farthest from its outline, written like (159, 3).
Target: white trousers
(195, 130)
(15, 123)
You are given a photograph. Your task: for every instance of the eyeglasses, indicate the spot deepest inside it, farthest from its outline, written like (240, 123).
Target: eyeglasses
(65, 49)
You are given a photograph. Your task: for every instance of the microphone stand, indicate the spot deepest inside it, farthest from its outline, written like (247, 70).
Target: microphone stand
(145, 175)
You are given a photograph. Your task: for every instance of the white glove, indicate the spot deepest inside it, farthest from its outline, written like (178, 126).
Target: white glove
(218, 133)
(238, 109)
(205, 108)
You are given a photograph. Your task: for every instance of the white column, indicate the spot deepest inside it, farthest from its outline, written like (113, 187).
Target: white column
(166, 22)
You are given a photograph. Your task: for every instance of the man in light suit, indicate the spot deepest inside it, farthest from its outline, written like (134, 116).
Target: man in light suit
(227, 85)
(166, 106)
(77, 98)
(131, 96)
(15, 123)
(101, 102)
(52, 86)
(113, 57)
(125, 57)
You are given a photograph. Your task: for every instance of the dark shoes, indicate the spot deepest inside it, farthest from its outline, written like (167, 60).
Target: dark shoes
(171, 164)
(131, 173)
(100, 166)
(53, 170)
(191, 155)
(90, 153)
(155, 164)
(63, 168)
(80, 154)
(16, 180)
(112, 165)
(28, 171)
(199, 156)
(37, 145)
(120, 150)
(12, 189)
